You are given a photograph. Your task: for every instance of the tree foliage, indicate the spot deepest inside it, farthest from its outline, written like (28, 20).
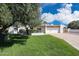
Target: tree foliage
(74, 25)
(6, 17)
(27, 14)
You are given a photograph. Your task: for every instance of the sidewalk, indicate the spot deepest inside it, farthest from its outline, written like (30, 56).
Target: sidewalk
(72, 39)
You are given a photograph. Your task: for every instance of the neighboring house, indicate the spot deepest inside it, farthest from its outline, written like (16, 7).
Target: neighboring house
(12, 30)
(15, 30)
(53, 28)
(48, 29)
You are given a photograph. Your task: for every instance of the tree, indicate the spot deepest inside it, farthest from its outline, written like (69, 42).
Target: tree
(74, 25)
(6, 18)
(27, 14)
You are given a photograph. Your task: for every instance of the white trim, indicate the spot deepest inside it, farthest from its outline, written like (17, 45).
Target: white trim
(38, 34)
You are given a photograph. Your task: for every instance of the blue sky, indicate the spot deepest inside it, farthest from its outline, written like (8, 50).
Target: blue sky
(56, 12)
(52, 8)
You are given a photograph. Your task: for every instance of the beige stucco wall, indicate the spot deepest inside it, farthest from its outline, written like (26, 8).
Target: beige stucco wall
(55, 29)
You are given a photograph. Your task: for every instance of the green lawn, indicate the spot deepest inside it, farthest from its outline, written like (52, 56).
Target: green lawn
(45, 45)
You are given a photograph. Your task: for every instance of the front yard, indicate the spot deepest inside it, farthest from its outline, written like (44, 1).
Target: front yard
(44, 45)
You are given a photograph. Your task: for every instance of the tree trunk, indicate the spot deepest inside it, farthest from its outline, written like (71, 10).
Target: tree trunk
(3, 34)
(28, 31)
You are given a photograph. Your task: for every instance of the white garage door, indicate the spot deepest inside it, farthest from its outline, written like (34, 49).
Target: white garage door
(52, 30)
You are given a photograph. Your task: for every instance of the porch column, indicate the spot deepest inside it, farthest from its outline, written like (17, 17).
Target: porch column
(45, 29)
(61, 28)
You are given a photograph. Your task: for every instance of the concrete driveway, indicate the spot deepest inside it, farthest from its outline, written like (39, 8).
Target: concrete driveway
(71, 38)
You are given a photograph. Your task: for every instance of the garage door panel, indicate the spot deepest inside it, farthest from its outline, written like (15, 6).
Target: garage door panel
(52, 30)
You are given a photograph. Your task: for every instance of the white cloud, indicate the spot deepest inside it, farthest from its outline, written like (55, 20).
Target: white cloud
(65, 15)
(48, 17)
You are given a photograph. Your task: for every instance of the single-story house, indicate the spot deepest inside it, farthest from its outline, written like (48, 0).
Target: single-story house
(52, 29)
(15, 30)
(48, 29)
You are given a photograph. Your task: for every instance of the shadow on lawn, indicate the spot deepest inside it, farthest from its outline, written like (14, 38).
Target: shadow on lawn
(13, 39)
